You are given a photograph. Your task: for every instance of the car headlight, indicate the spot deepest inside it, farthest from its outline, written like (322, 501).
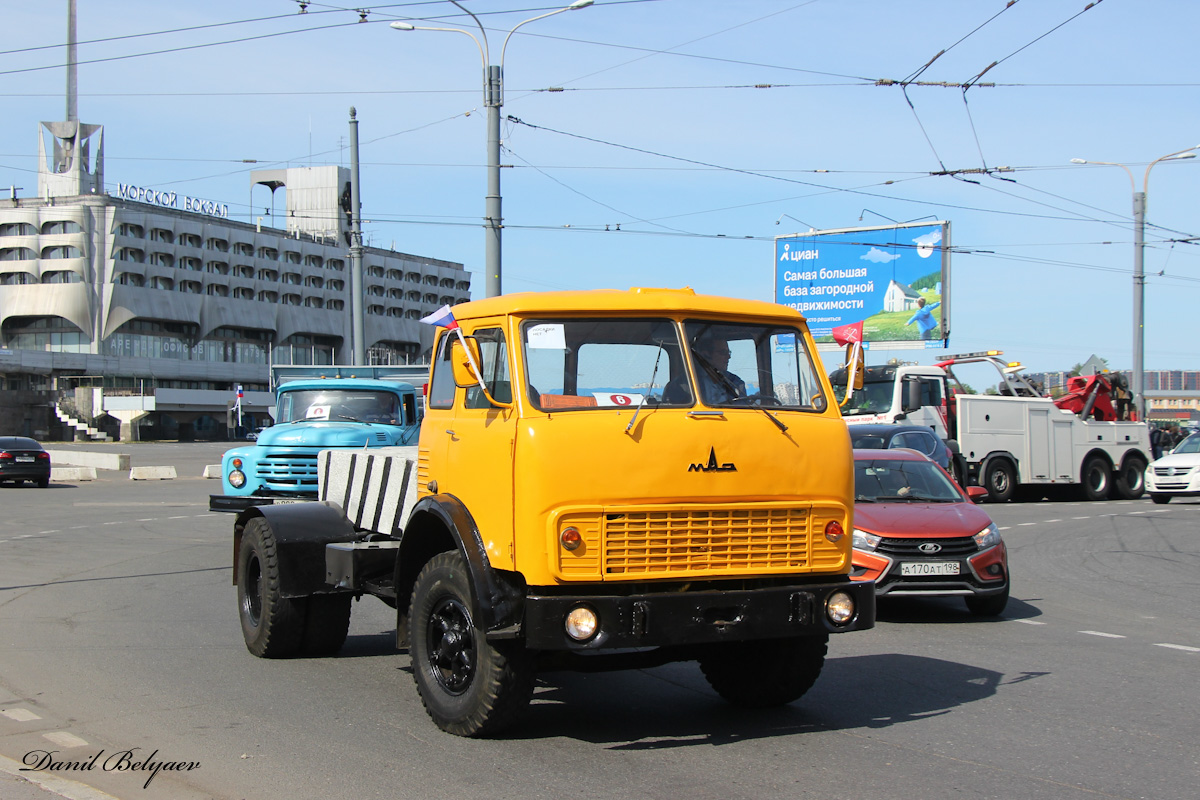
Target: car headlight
(866, 541)
(237, 479)
(988, 537)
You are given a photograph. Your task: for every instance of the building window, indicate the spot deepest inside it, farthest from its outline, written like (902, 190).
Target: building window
(375, 272)
(292, 278)
(161, 283)
(304, 349)
(268, 297)
(62, 251)
(375, 310)
(218, 290)
(268, 253)
(162, 259)
(243, 271)
(291, 257)
(242, 293)
(194, 264)
(335, 285)
(219, 245)
(60, 226)
(243, 249)
(314, 302)
(335, 264)
(17, 229)
(313, 261)
(17, 254)
(61, 276)
(268, 275)
(189, 240)
(314, 282)
(161, 235)
(218, 267)
(130, 279)
(16, 279)
(191, 287)
(53, 334)
(291, 299)
(335, 305)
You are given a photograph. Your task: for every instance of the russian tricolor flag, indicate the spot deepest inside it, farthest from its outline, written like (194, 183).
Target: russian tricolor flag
(443, 318)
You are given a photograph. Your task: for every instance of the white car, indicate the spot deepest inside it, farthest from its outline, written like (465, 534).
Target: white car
(1177, 474)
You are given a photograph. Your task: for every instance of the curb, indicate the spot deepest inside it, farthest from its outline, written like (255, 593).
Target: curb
(152, 474)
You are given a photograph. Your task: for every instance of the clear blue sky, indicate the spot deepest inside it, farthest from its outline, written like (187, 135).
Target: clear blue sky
(694, 125)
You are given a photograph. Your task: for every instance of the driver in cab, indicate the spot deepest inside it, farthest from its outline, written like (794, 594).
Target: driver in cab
(717, 384)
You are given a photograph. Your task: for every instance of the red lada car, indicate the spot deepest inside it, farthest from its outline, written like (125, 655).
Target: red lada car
(916, 533)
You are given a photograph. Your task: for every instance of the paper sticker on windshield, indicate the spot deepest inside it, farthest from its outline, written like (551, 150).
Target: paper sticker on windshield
(546, 337)
(317, 412)
(614, 399)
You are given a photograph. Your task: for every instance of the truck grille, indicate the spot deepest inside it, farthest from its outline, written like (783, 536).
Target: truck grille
(737, 540)
(292, 471)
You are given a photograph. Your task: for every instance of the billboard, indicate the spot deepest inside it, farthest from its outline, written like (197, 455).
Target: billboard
(894, 280)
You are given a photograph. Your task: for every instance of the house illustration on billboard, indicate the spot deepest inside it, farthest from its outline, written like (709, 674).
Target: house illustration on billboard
(899, 297)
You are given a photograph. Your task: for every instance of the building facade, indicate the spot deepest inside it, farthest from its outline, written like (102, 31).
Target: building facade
(138, 289)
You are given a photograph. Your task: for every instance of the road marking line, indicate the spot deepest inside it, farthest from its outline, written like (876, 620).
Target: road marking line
(1131, 513)
(1052, 520)
(148, 519)
(1006, 527)
(185, 516)
(1105, 635)
(65, 739)
(1024, 524)
(1080, 517)
(72, 790)
(20, 714)
(1029, 622)
(1159, 510)
(1182, 647)
(44, 532)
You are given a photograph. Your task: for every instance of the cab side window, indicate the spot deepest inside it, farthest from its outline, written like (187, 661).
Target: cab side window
(441, 385)
(493, 357)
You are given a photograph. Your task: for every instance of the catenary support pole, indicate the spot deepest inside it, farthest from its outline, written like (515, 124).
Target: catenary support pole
(358, 334)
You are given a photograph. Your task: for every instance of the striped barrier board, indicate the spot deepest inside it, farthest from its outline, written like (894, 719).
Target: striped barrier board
(376, 487)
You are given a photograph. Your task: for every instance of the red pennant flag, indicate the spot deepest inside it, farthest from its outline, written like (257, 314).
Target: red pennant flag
(848, 334)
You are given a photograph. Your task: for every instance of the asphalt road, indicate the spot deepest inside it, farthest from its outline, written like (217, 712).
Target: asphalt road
(118, 632)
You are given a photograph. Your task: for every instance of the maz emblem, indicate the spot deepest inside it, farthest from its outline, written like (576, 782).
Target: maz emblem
(930, 547)
(712, 465)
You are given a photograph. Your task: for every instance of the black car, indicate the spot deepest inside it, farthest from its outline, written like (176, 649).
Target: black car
(913, 437)
(23, 459)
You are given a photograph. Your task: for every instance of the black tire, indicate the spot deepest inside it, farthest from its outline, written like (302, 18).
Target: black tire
(1130, 481)
(1096, 479)
(1000, 481)
(469, 686)
(43, 483)
(767, 673)
(1161, 499)
(326, 623)
(988, 605)
(272, 625)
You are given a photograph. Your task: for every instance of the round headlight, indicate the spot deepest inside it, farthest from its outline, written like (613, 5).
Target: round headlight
(570, 538)
(582, 623)
(839, 608)
(237, 479)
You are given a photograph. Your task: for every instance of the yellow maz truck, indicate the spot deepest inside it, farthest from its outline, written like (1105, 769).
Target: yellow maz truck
(604, 480)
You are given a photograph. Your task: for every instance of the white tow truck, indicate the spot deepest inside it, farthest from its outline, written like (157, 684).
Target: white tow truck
(1019, 437)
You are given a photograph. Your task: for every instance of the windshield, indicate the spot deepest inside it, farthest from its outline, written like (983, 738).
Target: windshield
(763, 365)
(895, 481)
(1189, 445)
(339, 404)
(874, 398)
(599, 363)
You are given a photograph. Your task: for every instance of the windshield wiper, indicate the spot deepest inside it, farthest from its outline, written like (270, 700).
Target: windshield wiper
(733, 392)
(649, 388)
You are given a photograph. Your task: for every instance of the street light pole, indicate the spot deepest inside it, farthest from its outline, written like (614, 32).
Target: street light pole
(493, 100)
(1139, 274)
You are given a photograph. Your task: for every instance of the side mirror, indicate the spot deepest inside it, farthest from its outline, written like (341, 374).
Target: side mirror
(912, 395)
(462, 359)
(976, 493)
(855, 369)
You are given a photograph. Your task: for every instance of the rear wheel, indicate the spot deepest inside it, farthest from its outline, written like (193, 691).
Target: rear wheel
(469, 686)
(43, 483)
(326, 624)
(272, 625)
(1097, 479)
(1130, 480)
(766, 673)
(1000, 480)
(1161, 499)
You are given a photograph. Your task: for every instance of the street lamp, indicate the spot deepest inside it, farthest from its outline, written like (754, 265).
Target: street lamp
(1139, 277)
(493, 99)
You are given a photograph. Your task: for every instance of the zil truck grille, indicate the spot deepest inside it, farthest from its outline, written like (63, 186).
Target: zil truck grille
(707, 542)
(291, 471)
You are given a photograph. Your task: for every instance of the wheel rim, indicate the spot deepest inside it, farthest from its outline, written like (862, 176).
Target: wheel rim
(451, 642)
(1099, 481)
(999, 481)
(252, 591)
(1134, 476)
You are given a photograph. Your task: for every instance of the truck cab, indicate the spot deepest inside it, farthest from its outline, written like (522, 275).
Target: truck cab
(311, 415)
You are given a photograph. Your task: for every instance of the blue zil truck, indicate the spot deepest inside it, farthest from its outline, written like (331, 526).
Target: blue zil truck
(320, 408)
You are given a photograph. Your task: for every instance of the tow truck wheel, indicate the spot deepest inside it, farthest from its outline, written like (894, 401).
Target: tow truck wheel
(1000, 480)
(272, 625)
(1096, 478)
(469, 686)
(1130, 481)
(766, 673)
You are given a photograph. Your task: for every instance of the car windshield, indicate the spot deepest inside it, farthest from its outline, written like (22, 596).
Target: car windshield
(1189, 445)
(874, 398)
(902, 481)
(320, 405)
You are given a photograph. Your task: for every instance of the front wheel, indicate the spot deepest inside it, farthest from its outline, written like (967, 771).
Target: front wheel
(766, 673)
(1000, 480)
(272, 625)
(1096, 478)
(1131, 479)
(988, 605)
(468, 685)
(1160, 499)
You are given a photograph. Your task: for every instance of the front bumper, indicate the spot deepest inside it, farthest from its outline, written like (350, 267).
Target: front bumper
(984, 573)
(240, 502)
(663, 619)
(1178, 483)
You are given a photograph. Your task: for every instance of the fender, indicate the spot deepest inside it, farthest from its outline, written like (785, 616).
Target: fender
(497, 596)
(999, 455)
(301, 532)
